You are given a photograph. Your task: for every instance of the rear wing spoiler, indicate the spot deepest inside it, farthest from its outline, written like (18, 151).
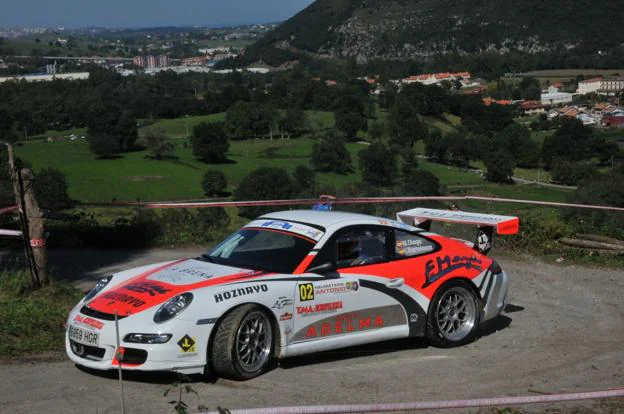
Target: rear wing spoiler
(487, 223)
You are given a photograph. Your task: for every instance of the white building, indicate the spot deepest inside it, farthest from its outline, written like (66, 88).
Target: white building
(589, 86)
(557, 98)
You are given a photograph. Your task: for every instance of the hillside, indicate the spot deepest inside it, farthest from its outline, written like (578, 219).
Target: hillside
(405, 29)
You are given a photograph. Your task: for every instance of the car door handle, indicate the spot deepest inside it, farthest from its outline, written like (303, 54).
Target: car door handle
(395, 283)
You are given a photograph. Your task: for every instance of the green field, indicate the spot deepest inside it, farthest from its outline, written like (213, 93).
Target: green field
(133, 176)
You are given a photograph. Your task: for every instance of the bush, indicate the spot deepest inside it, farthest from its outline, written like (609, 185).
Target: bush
(331, 155)
(210, 142)
(421, 183)
(50, 187)
(607, 189)
(571, 173)
(213, 182)
(265, 184)
(184, 227)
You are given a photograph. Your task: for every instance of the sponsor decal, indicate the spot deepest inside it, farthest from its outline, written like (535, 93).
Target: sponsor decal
(187, 344)
(123, 298)
(352, 322)
(484, 243)
(234, 293)
(345, 326)
(319, 308)
(282, 302)
(336, 287)
(413, 318)
(150, 288)
(191, 272)
(442, 266)
(306, 292)
(286, 316)
(89, 322)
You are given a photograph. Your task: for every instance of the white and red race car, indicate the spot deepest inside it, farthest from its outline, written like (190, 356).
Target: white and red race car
(293, 283)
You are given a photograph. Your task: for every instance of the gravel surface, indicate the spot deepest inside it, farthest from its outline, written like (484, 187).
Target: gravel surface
(563, 332)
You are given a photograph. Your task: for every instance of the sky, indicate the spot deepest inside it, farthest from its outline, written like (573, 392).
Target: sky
(144, 13)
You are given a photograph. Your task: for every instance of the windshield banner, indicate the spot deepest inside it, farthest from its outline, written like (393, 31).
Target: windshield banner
(296, 228)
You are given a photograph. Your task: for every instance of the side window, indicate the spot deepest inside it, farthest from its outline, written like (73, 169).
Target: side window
(361, 247)
(410, 245)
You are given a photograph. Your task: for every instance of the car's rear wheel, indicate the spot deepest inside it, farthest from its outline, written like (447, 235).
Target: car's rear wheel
(454, 315)
(243, 343)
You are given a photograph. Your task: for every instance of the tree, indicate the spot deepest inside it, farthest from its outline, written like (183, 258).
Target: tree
(109, 121)
(102, 145)
(349, 122)
(210, 142)
(378, 164)
(293, 121)
(265, 184)
(158, 145)
(376, 131)
(404, 124)
(331, 155)
(213, 182)
(50, 187)
(306, 179)
(500, 166)
(571, 142)
(437, 147)
(249, 119)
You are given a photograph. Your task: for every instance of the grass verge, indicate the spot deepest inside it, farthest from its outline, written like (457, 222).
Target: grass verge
(33, 322)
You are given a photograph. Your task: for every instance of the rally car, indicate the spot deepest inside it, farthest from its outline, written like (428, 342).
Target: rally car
(293, 283)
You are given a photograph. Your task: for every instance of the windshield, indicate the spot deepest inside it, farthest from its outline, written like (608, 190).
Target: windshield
(269, 250)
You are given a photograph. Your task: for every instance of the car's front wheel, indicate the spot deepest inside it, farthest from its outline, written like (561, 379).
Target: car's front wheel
(454, 315)
(243, 343)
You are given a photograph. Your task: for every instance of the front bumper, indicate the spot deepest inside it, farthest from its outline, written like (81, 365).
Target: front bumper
(495, 297)
(185, 352)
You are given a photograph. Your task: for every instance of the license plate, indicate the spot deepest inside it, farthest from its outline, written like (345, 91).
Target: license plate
(83, 336)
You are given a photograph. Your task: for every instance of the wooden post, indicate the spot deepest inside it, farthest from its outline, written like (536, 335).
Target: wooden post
(18, 189)
(35, 228)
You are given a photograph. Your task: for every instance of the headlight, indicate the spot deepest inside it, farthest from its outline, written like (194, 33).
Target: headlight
(98, 288)
(137, 338)
(173, 307)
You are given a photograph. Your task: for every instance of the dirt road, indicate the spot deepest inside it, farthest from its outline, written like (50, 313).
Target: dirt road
(563, 332)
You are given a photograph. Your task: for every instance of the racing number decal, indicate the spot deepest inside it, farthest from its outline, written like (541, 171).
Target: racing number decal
(306, 292)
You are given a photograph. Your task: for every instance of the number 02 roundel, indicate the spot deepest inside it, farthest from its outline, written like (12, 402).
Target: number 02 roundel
(306, 292)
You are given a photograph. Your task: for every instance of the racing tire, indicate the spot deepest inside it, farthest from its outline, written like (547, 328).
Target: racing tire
(243, 343)
(454, 315)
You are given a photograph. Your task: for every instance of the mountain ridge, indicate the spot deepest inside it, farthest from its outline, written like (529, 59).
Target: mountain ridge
(408, 29)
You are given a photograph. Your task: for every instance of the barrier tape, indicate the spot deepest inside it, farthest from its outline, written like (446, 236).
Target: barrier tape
(380, 200)
(37, 243)
(434, 405)
(10, 233)
(6, 210)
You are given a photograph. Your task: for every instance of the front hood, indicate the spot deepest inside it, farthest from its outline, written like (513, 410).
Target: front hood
(156, 286)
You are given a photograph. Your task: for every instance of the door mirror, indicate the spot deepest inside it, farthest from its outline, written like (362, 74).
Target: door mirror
(327, 269)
